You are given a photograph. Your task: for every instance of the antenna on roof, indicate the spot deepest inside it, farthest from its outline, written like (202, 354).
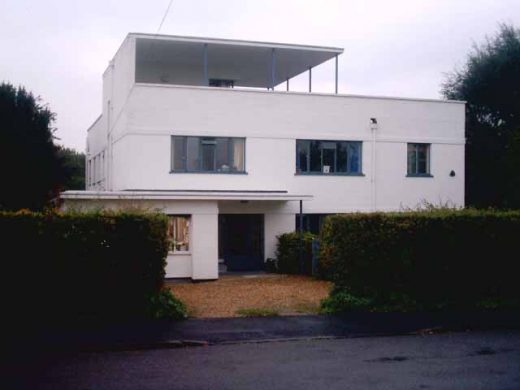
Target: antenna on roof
(164, 16)
(150, 50)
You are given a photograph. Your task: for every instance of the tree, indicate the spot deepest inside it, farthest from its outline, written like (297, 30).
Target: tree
(490, 83)
(74, 166)
(31, 170)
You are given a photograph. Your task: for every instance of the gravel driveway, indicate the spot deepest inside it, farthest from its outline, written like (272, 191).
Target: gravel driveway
(272, 293)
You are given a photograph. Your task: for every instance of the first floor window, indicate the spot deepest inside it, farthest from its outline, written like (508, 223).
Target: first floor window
(328, 157)
(418, 159)
(208, 154)
(179, 233)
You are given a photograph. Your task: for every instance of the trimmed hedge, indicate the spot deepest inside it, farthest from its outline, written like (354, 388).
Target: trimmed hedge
(288, 253)
(82, 266)
(424, 260)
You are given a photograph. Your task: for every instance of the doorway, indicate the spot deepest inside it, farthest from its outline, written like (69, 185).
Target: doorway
(241, 241)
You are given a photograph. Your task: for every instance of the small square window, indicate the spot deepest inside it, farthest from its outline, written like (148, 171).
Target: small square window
(418, 159)
(178, 233)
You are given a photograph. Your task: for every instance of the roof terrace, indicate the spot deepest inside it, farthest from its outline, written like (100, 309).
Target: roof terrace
(164, 59)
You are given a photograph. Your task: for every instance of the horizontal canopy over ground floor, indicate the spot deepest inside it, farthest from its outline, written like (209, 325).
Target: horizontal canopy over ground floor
(207, 228)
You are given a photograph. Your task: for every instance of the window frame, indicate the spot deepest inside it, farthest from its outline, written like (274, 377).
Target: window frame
(201, 139)
(181, 252)
(321, 173)
(416, 152)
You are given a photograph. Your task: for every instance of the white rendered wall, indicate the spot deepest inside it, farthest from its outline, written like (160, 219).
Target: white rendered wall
(271, 123)
(118, 80)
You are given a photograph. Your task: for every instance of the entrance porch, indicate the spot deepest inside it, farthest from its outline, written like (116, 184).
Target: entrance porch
(239, 227)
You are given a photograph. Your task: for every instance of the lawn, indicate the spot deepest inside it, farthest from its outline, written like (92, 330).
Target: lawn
(258, 295)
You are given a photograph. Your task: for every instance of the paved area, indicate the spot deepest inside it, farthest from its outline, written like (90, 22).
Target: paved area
(470, 360)
(228, 296)
(166, 333)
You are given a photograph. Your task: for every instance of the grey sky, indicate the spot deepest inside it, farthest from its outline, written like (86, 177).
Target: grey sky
(59, 49)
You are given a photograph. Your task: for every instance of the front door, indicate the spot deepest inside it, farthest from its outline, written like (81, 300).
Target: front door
(241, 241)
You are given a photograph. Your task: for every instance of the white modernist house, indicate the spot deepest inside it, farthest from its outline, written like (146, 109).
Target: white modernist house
(193, 127)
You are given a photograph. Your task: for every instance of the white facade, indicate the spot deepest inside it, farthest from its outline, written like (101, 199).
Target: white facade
(129, 148)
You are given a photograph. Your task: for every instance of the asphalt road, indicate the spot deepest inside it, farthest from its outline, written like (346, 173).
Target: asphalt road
(470, 360)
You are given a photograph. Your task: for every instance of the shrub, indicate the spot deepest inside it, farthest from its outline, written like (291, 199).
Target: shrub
(430, 260)
(288, 253)
(341, 299)
(81, 266)
(165, 305)
(270, 265)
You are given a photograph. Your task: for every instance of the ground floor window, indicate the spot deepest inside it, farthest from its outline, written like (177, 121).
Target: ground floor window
(311, 222)
(179, 233)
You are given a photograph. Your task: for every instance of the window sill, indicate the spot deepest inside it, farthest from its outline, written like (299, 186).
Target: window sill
(179, 253)
(209, 173)
(327, 174)
(419, 175)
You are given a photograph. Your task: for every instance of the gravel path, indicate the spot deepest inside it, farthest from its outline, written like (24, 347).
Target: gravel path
(225, 297)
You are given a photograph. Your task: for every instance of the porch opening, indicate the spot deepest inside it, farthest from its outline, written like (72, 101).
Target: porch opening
(241, 242)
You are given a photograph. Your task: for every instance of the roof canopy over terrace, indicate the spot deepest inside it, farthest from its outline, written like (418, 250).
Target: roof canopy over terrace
(222, 62)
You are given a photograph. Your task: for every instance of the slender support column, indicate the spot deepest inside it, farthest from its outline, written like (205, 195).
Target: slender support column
(206, 77)
(336, 78)
(310, 79)
(287, 87)
(300, 247)
(273, 68)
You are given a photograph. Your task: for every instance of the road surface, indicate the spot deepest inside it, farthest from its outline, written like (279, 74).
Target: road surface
(466, 360)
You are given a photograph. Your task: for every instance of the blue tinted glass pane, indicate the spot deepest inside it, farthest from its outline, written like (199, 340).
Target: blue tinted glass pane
(208, 157)
(302, 150)
(223, 154)
(354, 157)
(341, 158)
(315, 156)
(329, 160)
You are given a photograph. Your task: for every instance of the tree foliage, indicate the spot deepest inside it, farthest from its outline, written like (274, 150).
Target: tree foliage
(31, 170)
(74, 168)
(490, 83)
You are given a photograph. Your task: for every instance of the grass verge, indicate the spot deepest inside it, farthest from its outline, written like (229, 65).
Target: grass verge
(257, 312)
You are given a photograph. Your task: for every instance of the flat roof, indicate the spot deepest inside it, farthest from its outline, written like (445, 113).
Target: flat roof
(247, 63)
(280, 195)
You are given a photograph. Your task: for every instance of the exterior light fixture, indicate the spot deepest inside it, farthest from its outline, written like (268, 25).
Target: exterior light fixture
(373, 123)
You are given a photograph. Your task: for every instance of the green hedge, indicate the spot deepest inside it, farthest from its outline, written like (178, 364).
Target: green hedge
(426, 260)
(78, 266)
(288, 253)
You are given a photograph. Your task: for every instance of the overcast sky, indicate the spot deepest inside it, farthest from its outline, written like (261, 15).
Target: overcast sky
(59, 49)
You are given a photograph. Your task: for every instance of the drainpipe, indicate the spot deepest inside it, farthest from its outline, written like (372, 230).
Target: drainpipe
(300, 247)
(373, 128)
